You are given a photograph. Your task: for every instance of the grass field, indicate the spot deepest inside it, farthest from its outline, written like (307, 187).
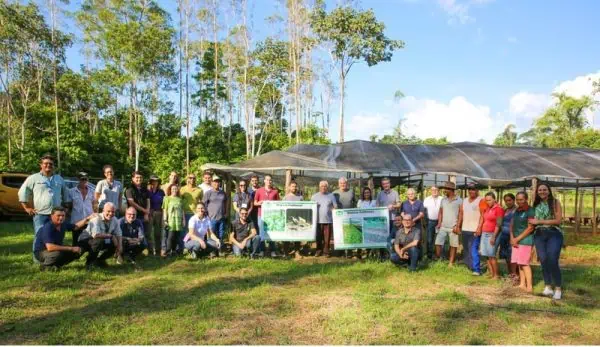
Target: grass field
(311, 301)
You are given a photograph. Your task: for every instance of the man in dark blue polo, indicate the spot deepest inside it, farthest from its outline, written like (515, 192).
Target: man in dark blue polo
(49, 249)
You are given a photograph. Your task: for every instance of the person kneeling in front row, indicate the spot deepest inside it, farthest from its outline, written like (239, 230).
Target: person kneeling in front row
(244, 236)
(102, 238)
(200, 239)
(406, 242)
(132, 230)
(49, 249)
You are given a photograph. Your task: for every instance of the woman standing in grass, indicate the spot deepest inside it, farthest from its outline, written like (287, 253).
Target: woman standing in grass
(548, 238)
(503, 240)
(492, 224)
(174, 220)
(521, 239)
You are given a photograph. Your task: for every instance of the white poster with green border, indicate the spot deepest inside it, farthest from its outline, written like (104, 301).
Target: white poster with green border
(288, 221)
(360, 228)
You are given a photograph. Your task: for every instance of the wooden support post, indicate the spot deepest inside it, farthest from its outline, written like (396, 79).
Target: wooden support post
(463, 192)
(422, 187)
(577, 209)
(564, 204)
(580, 212)
(594, 214)
(534, 184)
(288, 180)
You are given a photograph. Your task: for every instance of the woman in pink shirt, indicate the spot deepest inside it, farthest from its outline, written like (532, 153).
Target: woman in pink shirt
(492, 226)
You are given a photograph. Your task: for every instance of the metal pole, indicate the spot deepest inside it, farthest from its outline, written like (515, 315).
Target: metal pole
(594, 214)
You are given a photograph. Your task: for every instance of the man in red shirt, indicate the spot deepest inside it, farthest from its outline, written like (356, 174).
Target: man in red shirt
(266, 193)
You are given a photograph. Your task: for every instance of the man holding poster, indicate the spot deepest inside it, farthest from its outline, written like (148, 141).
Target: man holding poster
(266, 193)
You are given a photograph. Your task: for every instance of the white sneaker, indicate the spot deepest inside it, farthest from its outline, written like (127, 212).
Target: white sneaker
(475, 273)
(273, 255)
(547, 291)
(557, 295)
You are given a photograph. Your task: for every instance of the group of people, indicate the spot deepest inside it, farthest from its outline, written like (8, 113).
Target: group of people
(171, 219)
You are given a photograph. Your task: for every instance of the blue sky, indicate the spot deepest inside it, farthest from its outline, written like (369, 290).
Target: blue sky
(469, 66)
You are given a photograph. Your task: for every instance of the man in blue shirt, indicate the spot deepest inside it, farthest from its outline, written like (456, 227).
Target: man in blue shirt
(132, 231)
(49, 249)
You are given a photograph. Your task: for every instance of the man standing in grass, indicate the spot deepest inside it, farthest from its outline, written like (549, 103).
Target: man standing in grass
(345, 198)
(47, 190)
(449, 221)
(432, 205)
(406, 242)
(325, 205)
(293, 194)
(217, 205)
(82, 206)
(389, 199)
(266, 193)
(49, 249)
(472, 222)
(102, 235)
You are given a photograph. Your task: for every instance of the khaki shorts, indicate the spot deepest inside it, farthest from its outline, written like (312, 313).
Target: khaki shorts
(446, 233)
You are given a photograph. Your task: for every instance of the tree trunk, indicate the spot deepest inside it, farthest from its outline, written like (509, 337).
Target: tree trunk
(215, 31)
(187, 88)
(342, 88)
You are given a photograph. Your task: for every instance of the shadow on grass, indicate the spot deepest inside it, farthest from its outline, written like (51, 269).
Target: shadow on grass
(203, 301)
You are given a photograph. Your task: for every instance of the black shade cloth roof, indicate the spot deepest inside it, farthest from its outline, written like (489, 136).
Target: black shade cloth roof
(480, 162)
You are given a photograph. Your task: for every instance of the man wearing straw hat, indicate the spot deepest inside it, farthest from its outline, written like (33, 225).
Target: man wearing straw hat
(449, 221)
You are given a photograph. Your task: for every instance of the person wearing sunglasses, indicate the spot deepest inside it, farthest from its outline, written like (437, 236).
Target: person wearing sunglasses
(46, 190)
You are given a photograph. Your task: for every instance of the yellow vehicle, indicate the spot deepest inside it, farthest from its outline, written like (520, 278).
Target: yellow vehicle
(9, 188)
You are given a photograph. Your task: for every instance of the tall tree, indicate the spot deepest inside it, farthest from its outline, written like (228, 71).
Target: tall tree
(508, 137)
(136, 39)
(351, 36)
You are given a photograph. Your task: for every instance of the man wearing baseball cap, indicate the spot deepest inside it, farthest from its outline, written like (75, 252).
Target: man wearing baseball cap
(217, 206)
(472, 222)
(449, 220)
(82, 198)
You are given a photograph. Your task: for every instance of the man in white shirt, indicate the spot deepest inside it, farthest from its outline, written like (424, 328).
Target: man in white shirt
(82, 198)
(206, 182)
(432, 205)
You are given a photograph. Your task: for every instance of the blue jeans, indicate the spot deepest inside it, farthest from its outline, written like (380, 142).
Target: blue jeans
(38, 221)
(170, 239)
(431, 224)
(413, 258)
(218, 227)
(548, 244)
(180, 243)
(503, 244)
(252, 246)
(471, 250)
(194, 246)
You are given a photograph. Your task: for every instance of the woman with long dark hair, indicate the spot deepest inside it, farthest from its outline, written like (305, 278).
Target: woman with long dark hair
(548, 238)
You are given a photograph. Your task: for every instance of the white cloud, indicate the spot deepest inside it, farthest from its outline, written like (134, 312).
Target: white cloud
(532, 105)
(364, 124)
(458, 120)
(529, 105)
(458, 10)
(512, 39)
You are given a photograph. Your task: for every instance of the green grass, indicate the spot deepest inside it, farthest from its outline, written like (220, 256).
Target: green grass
(313, 301)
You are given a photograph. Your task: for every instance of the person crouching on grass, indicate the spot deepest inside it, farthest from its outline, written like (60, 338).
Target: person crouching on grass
(132, 230)
(49, 249)
(200, 239)
(174, 219)
(102, 238)
(244, 235)
(406, 242)
(521, 240)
